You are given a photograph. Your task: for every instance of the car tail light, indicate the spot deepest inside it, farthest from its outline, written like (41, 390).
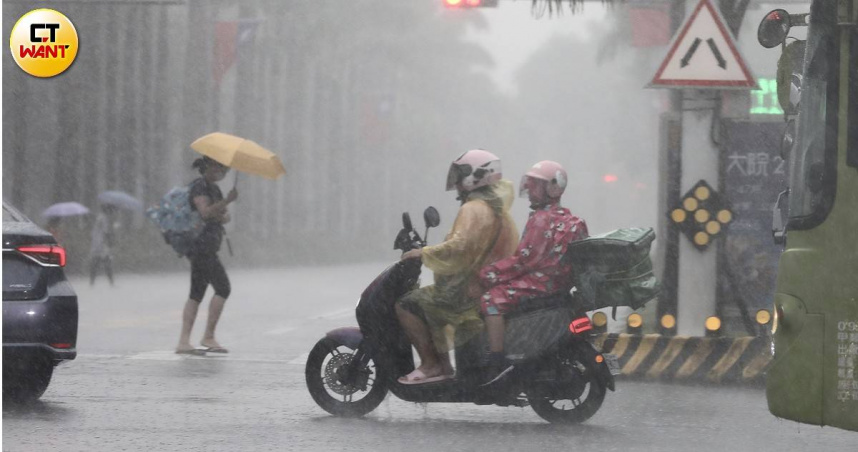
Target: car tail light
(578, 326)
(52, 255)
(61, 345)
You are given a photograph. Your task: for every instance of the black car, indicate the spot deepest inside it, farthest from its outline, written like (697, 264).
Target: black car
(39, 308)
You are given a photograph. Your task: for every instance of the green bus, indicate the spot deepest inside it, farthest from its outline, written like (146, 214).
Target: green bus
(813, 376)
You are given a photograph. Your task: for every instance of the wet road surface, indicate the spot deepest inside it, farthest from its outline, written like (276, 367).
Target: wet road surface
(128, 391)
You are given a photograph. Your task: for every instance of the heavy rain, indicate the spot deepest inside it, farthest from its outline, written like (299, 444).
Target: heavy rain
(269, 148)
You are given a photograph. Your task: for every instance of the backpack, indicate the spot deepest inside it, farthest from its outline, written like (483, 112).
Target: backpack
(178, 222)
(614, 269)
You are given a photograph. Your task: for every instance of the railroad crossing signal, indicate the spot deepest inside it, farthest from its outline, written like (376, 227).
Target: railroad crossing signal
(702, 215)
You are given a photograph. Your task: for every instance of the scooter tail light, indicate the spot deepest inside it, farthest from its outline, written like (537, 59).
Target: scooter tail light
(46, 254)
(581, 325)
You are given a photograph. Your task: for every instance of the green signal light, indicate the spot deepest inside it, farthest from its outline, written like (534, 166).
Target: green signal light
(764, 101)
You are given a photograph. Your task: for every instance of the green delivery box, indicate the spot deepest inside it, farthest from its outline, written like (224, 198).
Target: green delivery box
(614, 269)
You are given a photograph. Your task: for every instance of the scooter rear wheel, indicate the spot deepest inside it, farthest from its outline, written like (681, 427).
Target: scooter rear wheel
(574, 408)
(329, 387)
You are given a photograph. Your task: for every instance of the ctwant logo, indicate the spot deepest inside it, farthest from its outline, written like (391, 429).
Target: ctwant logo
(44, 43)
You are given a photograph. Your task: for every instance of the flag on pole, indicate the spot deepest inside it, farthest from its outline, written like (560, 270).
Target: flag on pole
(230, 37)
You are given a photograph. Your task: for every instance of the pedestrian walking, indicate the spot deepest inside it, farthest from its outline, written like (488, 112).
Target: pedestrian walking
(101, 246)
(206, 268)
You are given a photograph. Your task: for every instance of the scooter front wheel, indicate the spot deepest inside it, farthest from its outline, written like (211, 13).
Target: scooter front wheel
(339, 389)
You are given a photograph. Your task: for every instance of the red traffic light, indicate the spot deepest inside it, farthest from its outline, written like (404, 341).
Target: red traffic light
(470, 3)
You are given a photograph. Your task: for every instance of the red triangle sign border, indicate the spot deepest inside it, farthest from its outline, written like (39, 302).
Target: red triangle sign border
(659, 82)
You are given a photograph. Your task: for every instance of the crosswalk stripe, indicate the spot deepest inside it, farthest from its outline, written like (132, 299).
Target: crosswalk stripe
(169, 355)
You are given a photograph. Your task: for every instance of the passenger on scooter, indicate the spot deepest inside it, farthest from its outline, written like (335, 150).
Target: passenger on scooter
(535, 269)
(482, 232)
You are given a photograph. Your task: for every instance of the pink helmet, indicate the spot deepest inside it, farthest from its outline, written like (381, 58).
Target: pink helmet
(552, 173)
(474, 169)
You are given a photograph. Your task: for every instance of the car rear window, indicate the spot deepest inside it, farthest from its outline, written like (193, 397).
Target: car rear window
(20, 275)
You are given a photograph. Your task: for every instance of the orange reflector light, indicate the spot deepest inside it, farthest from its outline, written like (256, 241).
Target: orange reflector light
(668, 321)
(713, 323)
(599, 359)
(635, 320)
(600, 319)
(580, 325)
(763, 316)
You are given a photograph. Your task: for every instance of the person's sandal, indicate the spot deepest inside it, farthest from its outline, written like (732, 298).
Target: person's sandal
(417, 377)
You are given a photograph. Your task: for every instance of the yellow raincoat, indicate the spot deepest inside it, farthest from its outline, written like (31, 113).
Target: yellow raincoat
(483, 232)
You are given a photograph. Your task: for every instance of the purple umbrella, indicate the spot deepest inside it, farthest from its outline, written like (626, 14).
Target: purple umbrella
(120, 199)
(65, 209)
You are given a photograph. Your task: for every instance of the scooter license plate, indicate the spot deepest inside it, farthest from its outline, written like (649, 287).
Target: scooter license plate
(613, 363)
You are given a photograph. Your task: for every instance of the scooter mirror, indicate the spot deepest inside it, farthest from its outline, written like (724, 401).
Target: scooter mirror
(774, 28)
(406, 221)
(431, 217)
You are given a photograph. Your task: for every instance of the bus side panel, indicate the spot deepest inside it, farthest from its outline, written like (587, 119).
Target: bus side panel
(794, 383)
(841, 384)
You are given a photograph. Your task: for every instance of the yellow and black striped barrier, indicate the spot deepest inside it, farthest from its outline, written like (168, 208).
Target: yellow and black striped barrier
(692, 359)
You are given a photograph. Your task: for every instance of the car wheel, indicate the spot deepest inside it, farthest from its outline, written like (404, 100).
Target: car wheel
(25, 381)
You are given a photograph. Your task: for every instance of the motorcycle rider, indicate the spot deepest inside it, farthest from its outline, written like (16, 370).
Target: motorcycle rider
(536, 268)
(482, 232)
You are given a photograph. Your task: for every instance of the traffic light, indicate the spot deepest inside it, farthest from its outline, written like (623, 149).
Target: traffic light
(470, 3)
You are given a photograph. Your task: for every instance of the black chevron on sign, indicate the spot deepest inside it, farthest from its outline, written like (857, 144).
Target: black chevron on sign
(722, 63)
(689, 53)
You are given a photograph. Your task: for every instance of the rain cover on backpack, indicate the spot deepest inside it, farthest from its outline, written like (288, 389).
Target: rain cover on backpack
(178, 222)
(614, 269)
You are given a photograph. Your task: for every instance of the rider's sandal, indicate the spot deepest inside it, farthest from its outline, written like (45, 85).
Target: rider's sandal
(418, 377)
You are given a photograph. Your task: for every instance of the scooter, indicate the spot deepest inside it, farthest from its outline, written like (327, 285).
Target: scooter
(556, 370)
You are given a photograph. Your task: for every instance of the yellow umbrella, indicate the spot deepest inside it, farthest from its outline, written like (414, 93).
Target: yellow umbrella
(239, 154)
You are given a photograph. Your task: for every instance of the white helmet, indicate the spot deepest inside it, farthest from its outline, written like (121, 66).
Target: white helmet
(474, 169)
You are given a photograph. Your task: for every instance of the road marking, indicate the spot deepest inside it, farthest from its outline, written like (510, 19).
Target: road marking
(169, 355)
(160, 355)
(96, 356)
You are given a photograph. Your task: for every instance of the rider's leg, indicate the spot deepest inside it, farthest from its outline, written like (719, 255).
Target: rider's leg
(418, 332)
(493, 306)
(495, 327)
